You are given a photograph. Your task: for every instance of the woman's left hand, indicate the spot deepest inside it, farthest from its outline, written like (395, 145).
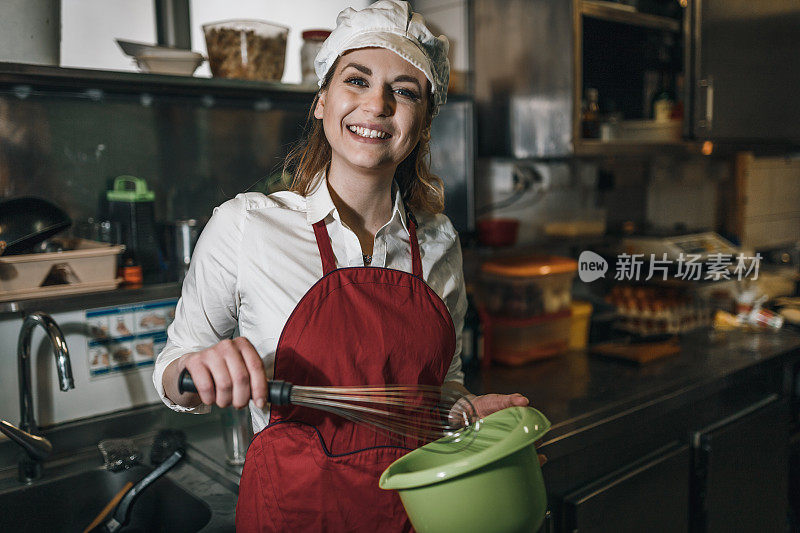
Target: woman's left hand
(487, 404)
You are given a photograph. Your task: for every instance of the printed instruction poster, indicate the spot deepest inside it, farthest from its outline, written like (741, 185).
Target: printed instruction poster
(128, 336)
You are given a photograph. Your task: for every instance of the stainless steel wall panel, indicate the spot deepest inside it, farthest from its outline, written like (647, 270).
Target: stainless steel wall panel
(523, 62)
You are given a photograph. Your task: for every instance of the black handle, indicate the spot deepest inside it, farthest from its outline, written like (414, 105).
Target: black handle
(278, 392)
(122, 514)
(186, 383)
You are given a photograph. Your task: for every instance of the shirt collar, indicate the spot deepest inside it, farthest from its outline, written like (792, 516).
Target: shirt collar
(320, 204)
(318, 201)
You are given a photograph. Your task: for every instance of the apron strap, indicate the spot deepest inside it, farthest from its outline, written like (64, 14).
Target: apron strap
(416, 258)
(324, 245)
(329, 260)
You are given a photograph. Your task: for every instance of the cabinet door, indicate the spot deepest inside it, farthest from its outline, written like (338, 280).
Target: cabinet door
(741, 469)
(651, 494)
(746, 70)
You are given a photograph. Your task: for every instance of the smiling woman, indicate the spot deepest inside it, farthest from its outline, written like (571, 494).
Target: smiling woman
(353, 277)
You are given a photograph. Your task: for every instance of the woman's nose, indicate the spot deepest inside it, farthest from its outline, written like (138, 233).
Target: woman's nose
(379, 101)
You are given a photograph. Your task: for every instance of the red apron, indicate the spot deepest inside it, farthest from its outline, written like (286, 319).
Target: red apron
(312, 471)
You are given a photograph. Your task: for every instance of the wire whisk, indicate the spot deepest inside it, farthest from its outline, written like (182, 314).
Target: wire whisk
(422, 412)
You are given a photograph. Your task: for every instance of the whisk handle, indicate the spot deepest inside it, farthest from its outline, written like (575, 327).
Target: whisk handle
(278, 392)
(186, 383)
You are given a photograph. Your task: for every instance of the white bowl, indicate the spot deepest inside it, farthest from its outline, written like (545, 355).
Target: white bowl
(178, 63)
(134, 48)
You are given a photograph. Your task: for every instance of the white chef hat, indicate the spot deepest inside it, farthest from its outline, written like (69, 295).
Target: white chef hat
(392, 25)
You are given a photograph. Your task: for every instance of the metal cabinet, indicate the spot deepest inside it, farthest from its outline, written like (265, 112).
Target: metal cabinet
(734, 65)
(740, 470)
(745, 70)
(651, 494)
(530, 60)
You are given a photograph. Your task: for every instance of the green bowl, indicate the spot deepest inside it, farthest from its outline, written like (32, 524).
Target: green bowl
(494, 483)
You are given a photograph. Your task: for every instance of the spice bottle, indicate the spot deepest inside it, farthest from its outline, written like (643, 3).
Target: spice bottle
(312, 42)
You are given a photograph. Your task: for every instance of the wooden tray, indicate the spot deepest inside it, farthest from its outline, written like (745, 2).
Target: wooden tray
(639, 352)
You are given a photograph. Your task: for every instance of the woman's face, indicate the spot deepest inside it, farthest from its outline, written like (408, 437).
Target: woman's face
(373, 111)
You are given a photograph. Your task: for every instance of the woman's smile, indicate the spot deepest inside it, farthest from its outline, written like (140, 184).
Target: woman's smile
(369, 134)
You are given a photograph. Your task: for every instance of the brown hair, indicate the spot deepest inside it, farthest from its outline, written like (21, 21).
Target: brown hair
(421, 189)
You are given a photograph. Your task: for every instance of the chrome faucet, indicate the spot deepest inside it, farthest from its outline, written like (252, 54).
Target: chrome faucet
(36, 447)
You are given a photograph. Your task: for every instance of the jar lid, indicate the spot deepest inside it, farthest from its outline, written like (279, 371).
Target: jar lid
(316, 35)
(130, 189)
(529, 266)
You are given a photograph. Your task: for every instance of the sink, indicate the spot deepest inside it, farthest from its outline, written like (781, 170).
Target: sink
(70, 503)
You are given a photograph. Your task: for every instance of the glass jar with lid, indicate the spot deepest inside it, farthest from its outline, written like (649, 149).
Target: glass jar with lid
(312, 42)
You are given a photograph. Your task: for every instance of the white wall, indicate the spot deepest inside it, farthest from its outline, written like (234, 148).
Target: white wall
(89, 27)
(29, 31)
(89, 397)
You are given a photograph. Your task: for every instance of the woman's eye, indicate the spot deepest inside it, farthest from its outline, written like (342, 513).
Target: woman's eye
(360, 82)
(408, 93)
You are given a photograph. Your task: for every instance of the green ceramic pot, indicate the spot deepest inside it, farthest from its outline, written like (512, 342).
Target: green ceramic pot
(494, 483)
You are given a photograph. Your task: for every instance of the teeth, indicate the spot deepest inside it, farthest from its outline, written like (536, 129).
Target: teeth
(365, 132)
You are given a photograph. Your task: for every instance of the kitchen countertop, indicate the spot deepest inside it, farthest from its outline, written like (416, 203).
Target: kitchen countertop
(578, 391)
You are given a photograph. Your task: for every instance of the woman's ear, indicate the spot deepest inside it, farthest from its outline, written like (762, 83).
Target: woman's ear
(319, 108)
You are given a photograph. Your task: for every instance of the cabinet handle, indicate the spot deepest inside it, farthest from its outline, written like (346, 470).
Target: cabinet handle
(708, 104)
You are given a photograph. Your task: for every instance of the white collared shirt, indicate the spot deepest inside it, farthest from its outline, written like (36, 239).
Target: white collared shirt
(258, 256)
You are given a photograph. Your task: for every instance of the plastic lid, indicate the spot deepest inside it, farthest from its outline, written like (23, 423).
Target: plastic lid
(316, 35)
(130, 189)
(500, 434)
(529, 266)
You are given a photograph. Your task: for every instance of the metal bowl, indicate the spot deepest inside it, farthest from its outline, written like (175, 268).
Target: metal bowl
(27, 221)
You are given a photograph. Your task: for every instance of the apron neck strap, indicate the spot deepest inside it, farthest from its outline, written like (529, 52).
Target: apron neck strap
(329, 260)
(416, 258)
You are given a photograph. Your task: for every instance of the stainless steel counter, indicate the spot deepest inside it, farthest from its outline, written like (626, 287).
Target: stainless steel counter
(581, 393)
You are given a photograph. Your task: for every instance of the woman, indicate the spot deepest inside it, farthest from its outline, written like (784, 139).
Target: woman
(275, 267)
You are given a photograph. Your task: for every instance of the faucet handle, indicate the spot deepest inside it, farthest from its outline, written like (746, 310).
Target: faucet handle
(37, 447)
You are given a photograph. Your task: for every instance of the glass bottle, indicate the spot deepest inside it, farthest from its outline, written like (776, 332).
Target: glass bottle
(590, 117)
(312, 42)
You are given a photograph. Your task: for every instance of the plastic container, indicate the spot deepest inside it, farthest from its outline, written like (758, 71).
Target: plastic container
(312, 42)
(246, 49)
(579, 325)
(585, 223)
(132, 205)
(523, 287)
(493, 484)
(498, 231)
(85, 266)
(518, 342)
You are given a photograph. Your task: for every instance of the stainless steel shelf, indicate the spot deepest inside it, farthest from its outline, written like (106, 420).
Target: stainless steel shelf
(75, 302)
(598, 148)
(93, 83)
(614, 12)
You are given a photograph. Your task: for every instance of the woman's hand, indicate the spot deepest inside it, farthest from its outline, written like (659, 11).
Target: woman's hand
(487, 404)
(228, 373)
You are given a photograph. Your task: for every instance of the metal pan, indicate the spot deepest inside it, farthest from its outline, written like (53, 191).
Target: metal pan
(27, 221)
